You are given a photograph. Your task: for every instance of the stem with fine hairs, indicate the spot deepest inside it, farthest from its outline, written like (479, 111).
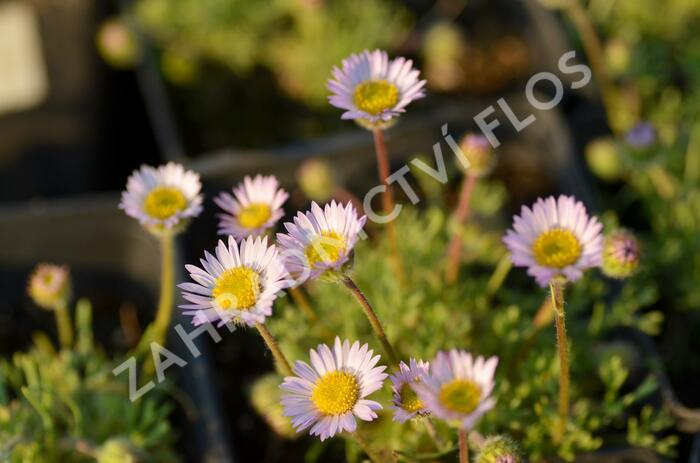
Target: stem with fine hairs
(388, 200)
(373, 319)
(461, 215)
(556, 291)
(463, 446)
(64, 325)
(281, 361)
(364, 445)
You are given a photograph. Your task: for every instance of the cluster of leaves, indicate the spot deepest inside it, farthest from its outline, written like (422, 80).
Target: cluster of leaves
(299, 41)
(67, 406)
(492, 311)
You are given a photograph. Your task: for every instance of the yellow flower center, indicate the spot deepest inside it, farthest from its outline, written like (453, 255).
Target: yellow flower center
(460, 395)
(557, 248)
(409, 399)
(336, 393)
(254, 215)
(164, 201)
(325, 248)
(375, 96)
(237, 288)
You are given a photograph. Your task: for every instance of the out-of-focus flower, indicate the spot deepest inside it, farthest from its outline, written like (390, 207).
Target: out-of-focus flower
(117, 44)
(618, 56)
(458, 388)
(265, 396)
(621, 254)
(316, 179)
(164, 198)
(479, 153)
(240, 284)
(330, 393)
(256, 205)
(603, 158)
(50, 286)
(642, 135)
(320, 240)
(555, 238)
(407, 405)
(115, 450)
(499, 449)
(372, 89)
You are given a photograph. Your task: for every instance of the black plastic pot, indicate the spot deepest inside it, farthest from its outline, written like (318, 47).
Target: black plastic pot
(115, 263)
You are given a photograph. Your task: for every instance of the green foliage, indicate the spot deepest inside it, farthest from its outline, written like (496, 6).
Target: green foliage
(489, 316)
(68, 406)
(298, 40)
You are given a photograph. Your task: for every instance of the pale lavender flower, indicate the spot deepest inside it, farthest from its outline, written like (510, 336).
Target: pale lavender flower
(458, 388)
(256, 205)
(330, 393)
(372, 88)
(407, 405)
(556, 238)
(239, 284)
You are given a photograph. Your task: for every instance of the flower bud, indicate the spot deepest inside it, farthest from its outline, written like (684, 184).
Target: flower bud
(621, 254)
(617, 57)
(316, 180)
(642, 135)
(117, 44)
(499, 449)
(50, 286)
(115, 451)
(479, 153)
(604, 159)
(265, 397)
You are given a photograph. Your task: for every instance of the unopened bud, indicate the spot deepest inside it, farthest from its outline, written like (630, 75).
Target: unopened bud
(316, 180)
(50, 286)
(479, 153)
(621, 254)
(117, 44)
(603, 159)
(499, 449)
(115, 451)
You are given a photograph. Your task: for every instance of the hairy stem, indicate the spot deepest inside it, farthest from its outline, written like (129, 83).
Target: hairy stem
(373, 319)
(388, 200)
(364, 445)
(463, 446)
(167, 288)
(461, 215)
(64, 325)
(556, 291)
(281, 361)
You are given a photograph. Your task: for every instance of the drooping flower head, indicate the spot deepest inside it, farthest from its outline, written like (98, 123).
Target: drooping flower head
(162, 198)
(407, 405)
(49, 286)
(239, 284)
(621, 254)
(556, 238)
(458, 388)
(320, 240)
(373, 89)
(256, 205)
(330, 393)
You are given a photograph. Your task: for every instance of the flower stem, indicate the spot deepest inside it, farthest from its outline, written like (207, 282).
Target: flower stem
(388, 200)
(364, 445)
(461, 214)
(463, 446)
(556, 291)
(167, 288)
(373, 319)
(499, 275)
(432, 433)
(63, 323)
(281, 361)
